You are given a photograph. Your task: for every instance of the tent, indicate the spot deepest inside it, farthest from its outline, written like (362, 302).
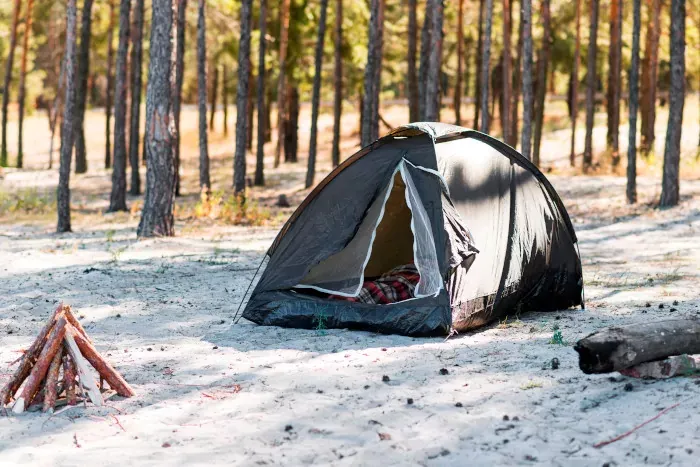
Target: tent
(485, 229)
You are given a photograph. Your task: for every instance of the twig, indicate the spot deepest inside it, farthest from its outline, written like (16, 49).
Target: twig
(624, 435)
(118, 423)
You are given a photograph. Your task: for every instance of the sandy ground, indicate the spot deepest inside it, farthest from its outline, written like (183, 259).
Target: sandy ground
(162, 312)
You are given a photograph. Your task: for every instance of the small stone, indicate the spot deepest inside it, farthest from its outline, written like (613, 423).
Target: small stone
(319, 391)
(629, 387)
(215, 347)
(661, 306)
(166, 445)
(409, 401)
(516, 419)
(366, 386)
(555, 363)
(118, 315)
(506, 418)
(149, 349)
(444, 371)
(647, 304)
(386, 378)
(282, 201)
(672, 310)
(675, 302)
(459, 404)
(288, 428)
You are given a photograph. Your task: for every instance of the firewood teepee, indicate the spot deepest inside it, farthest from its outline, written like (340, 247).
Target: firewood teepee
(56, 366)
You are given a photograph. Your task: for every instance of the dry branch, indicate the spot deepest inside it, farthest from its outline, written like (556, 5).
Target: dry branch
(69, 377)
(84, 375)
(52, 381)
(617, 348)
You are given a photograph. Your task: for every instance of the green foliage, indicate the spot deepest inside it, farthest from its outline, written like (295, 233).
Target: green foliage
(231, 209)
(26, 201)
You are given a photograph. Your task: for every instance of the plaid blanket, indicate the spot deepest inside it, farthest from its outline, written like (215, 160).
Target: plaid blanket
(394, 286)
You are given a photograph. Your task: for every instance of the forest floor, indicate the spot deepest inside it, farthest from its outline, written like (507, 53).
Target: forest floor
(211, 392)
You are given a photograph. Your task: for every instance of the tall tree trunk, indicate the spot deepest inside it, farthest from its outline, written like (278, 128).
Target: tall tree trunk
(204, 180)
(157, 216)
(214, 92)
(574, 84)
(316, 95)
(250, 107)
(650, 68)
(242, 98)
(282, 80)
(507, 71)
(591, 85)
(338, 78)
(117, 201)
(22, 78)
(614, 79)
(63, 191)
(528, 100)
(291, 130)
(110, 86)
(81, 92)
(485, 68)
(425, 34)
(460, 52)
(135, 114)
(633, 106)
(370, 122)
(517, 84)
(541, 91)
(479, 62)
(262, 108)
(224, 98)
(670, 186)
(413, 97)
(180, 26)
(432, 91)
(8, 79)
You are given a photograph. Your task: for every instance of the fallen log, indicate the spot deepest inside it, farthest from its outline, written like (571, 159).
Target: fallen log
(86, 379)
(52, 381)
(69, 377)
(620, 347)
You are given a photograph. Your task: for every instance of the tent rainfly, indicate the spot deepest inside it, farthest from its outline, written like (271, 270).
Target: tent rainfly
(480, 225)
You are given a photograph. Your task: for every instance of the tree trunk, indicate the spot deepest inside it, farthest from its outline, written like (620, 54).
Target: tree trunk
(460, 51)
(214, 92)
(507, 71)
(204, 180)
(157, 216)
(413, 96)
(479, 62)
(250, 106)
(281, 81)
(650, 68)
(591, 85)
(22, 77)
(8, 79)
(224, 98)
(526, 138)
(574, 85)
(516, 84)
(63, 191)
(485, 68)
(81, 92)
(338, 77)
(117, 201)
(262, 108)
(614, 79)
(370, 118)
(239, 163)
(135, 114)
(180, 26)
(291, 130)
(672, 154)
(541, 91)
(110, 86)
(316, 95)
(426, 32)
(633, 106)
(432, 87)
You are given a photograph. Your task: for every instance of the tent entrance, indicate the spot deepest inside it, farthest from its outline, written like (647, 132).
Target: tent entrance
(394, 235)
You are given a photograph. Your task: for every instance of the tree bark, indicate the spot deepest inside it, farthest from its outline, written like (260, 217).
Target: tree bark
(259, 179)
(51, 380)
(117, 201)
(432, 101)
(479, 62)
(282, 80)
(507, 72)
(670, 185)
(591, 84)
(291, 130)
(8, 79)
(614, 79)
(574, 85)
(460, 51)
(180, 26)
(633, 106)
(541, 91)
(250, 105)
(517, 85)
(214, 92)
(426, 32)
(22, 79)
(413, 96)
(370, 121)
(650, 69)
(316, 95)
(528, 100)
(63, 191)
(157, 215)
(110, 86)
(485, 68)
(83, 72)
(224, 99)
(239, 163)
(338, 77)
(204, 180)
(135, 114)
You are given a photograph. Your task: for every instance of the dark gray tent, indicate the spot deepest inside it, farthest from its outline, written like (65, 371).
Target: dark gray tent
(486, 230)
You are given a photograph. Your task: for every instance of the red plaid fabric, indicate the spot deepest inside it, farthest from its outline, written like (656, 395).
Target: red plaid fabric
(394, 286)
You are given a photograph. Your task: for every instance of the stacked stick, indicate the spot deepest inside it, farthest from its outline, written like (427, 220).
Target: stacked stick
(57, 367)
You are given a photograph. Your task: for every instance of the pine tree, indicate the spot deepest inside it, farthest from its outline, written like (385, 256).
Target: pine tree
(479, 62)
(460, 48)
(338, 79)
(574, 84)
(485, 68)
(432, 91)
(135, 113)
(110, 86)
(541, 91)
(370, 118)
(22, 81)
(282, 79)
(8, 79)
(614, 79)
(591, 84)
(81, 92)
(413, 107)
(650, 71)
(180, 26)
(507, 71)
(239, 163)
(528, 99)
(204, 179)
(633, 106)
(262, 124)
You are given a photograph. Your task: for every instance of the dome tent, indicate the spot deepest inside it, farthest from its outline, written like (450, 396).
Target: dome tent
(484, 227)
